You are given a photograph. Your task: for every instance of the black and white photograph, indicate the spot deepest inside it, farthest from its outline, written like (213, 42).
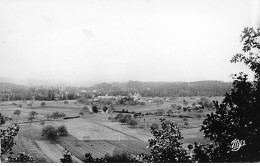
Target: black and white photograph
(129, 81)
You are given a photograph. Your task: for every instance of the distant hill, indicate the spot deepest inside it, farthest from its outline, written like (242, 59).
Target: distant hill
(200, 88)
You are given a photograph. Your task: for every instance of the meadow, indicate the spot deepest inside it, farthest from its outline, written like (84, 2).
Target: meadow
(96, 133)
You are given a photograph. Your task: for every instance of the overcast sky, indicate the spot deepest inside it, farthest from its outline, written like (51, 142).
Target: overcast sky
(121, 40)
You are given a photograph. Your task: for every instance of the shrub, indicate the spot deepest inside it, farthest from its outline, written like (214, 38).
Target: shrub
(94, 109)
(66, 158)
(159, 112)
(166, 146)
(66, 102)
(50, 132)
(17, 112)
(154, 126)
(132, 123)
(33, 114)
(119, 116)
(62, 130)
(119, 156)
(22, 157)
(81, 113)
(43, 104)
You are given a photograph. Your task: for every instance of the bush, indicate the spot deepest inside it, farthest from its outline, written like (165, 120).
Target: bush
(166, 146)
(17, 112)
(159, 112)
(85, 108)
(132, 123)
(154, 126)
(66, 158)
(43, 104)
(50, 132)
(94, 109)
(81, 113)
(119, 156)
(119, 116)
(62, 130)
(66, 102)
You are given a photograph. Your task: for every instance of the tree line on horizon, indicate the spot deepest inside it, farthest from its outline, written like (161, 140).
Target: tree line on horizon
(146, 89)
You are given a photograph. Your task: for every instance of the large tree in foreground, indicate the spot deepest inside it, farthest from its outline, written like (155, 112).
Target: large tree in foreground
(235, 126)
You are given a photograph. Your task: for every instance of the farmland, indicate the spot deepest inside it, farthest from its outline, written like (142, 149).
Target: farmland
(95, 133)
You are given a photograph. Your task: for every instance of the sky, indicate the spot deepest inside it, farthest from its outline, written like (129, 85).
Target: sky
(77, 41)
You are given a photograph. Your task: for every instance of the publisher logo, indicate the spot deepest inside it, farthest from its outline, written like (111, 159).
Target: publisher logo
(237, 144)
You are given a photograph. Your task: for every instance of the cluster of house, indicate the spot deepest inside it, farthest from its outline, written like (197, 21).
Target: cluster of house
(136, 97)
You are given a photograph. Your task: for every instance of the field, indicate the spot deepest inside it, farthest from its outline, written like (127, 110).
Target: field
(94, 133)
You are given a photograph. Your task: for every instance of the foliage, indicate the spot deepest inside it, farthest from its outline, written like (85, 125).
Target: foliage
(132, 122)
(154, 126)
(159, 112)
(83, 100)
(50, 132)
(66, 158)
(33, 114)
(22, 157)
(43, 104)
(17, 112)
(7, 138)
(85, 108)
(94, 109)
(42, 123)
(62, 130)
(166, 147)
(125, 119)
(237, 117)
(119, 116)
(169, 112)
(66, 102)
(105, 108)
(81, 113)
(3, 119)
(118, 156)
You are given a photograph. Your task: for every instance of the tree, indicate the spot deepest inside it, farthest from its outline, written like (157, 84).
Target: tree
(186, 123)
(7, 136)
(166, 145)
(159, 112)
(66, 158)
(55, 115)
(22, 157)
(105, 109)
(169, 112)
(132, 123)
(17, 112)
(119, 116)
(43, 104)
(81, 113)
(48, 116)
(33, 114)
(62, 115)
(62, 130)
(50, 132)
(185, 103)
(237, 117)
(42, 123)
(94, 109)
(154, 126)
